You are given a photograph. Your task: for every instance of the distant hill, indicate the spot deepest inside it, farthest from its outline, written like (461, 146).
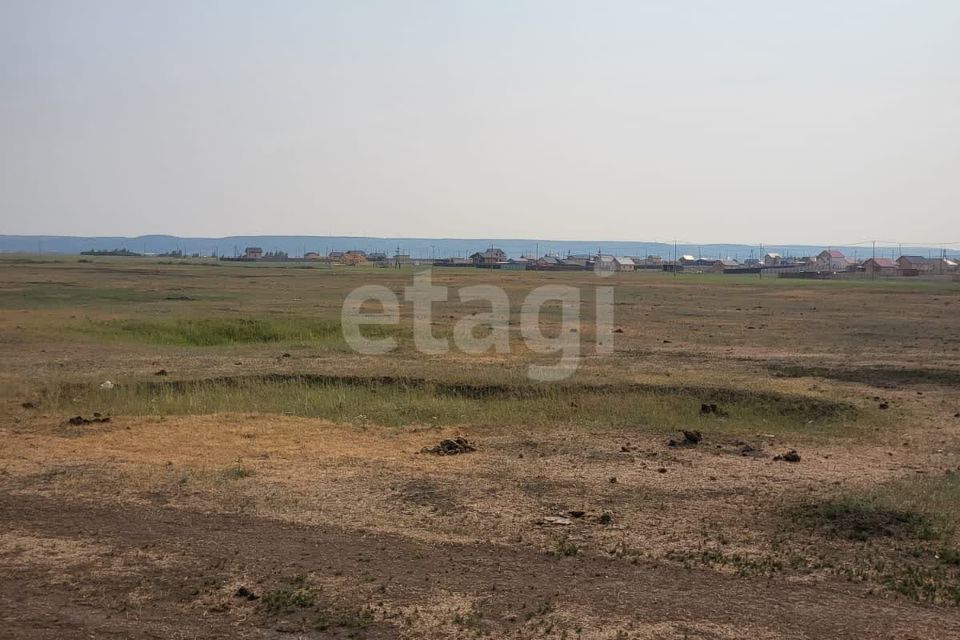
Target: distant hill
(416, 247)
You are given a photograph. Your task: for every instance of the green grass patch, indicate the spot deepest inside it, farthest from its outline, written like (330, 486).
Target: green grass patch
(918, 508)
(287, 600)
(59, 295)
(412, 401)
(300, 603)
(899, 536)
(211, 332)
(860, 518)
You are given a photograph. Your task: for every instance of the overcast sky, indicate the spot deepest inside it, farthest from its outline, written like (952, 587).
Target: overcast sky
(709, 121)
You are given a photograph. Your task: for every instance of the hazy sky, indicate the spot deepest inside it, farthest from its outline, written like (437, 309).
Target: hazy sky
(709, 121)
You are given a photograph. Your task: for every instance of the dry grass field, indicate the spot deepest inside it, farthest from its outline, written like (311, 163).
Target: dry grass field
(250, 476)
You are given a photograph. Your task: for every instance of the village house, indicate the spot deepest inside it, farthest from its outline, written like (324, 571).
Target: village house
(623, 263)
(548, 262)
(912, 264)
(772, 260)
(720, 266)
(252, 253)
(354, 258)
(604, 262)
(453, 262)
(581, 260)
(489, 258)
(832, 260)
(311, 255)
(515, 265)
(650, 262)
(946, 265)
(880, 266)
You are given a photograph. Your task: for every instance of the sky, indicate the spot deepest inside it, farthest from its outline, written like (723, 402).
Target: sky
(750, 121)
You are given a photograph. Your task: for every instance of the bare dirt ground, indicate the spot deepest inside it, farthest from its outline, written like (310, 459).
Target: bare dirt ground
(99, 570)
(269, 510)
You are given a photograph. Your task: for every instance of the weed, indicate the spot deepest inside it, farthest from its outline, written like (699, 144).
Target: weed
(238, 471)
(287, 600)
(950, 556)
(566, 547)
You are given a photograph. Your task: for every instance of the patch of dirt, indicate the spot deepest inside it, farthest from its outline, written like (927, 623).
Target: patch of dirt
(880, 377)
(212, 550)
(430, 494)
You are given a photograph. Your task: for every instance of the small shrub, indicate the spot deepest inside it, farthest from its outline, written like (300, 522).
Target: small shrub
(287, 600)
(566, 547)
(238, 472)
(950, 556)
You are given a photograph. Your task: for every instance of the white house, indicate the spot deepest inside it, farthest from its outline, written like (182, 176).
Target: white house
(623, 263)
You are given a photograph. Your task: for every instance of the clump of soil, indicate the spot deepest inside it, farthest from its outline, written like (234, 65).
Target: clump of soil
(451, 447)
(748, 450)
(711, 409)
(162, 372)
(243, 592)
(789, 456)
(690, 439)
(79, 420)
(33, 405)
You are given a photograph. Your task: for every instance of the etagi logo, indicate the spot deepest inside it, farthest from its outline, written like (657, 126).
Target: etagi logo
(483, 332)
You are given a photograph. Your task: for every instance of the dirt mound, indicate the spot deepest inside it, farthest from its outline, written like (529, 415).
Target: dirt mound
(450, 447)
(690, 439)
(79, 420)
(789, 456)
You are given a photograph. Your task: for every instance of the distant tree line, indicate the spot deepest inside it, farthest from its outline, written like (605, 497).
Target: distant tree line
(109, 252)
